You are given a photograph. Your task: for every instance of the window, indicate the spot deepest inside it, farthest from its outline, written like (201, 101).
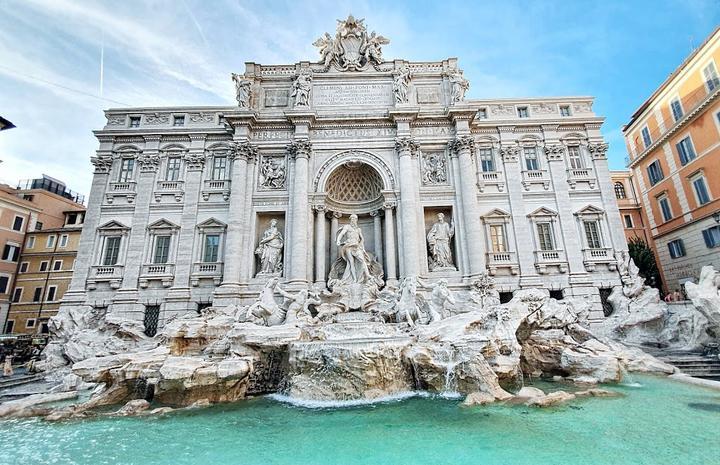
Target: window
(628, 221)
(481, 114)
(72, 218)
(173, 169)
(178, 121)
(620, 191)
(63, 241)
(212, 246)
(30, 242)
(162, 249)
(17, 294)
(126, 169)
(575, 158)
(28, 197)
(11, 253)
(219, 168)
(44, 266)
(150, 320)
(134, 121)
(676, 109)
(522, 112)
(4, 281)
(50, 241)
(9, 326)
(646, 136)
(545, 236)
(30, 323)
(24, 267)
(497, 238)
(112, 250)
(487, 162)
(712, 236)
(564, 110)
(677, 248)
(701, 191)
(655, 173)
(57, 265)
(592, 234)
(531, 160)
(685, 150)
(665, 208)
(38, 226)
(37, 295)
(18, 223)
(51, 294)
(711, 77)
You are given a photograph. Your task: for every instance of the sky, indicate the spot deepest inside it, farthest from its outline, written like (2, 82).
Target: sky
(63, 62)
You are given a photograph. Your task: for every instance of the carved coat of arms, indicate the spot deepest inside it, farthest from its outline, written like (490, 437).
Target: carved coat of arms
(352, 48)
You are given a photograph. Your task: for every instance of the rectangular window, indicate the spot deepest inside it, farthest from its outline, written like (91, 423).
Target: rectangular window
(712, 236)
(126, 169)
(43, 266)
(51, 294)
(72, 218)
(655, 173)
(134, 121)
(11, 253)
(497, 238)
(18, 223)
(30, 242)
(162, 249)
(219, 168)
(178, 121)
(522, 112)
(481, 114)
(487, 162)
(575, 158)
(38, 226)
(151, 318)
(677, 248)
(37, 295)
(676, 109)
(17, 295)
(646, 136)
(50, 241)
(173, 169)
(685, 150)
(63, 241)
(531, 160)
(24, 267)
(30, 323)
(711, 77)
(564, 110)
(9, 326)
(212, 246)
(592, 234)
(665, 208)
(57, 265)
(701, 190)
(4, 281)
(112, 250)
(628, 221)
(545, 236)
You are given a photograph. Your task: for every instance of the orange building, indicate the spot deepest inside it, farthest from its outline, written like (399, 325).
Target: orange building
(631, 212)
(673, 140)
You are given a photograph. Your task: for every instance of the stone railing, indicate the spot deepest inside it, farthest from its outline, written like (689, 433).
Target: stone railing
(206, 270)
(545, 258)
(121, 189)
(498, 260)
(530, 177)
(164, 272)
(174, 188)
(593, 257)
(575, 175)
(216, 186)
(486, 178)
(111, 274)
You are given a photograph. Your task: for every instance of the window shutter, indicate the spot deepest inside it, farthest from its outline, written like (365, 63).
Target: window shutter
(672, 250)
(708, 238)
(682, 247)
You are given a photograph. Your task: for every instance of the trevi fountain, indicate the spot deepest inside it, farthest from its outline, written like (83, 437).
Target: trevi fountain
(438, 338)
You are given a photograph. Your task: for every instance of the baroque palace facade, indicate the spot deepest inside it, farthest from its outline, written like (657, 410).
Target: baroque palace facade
(192, 206)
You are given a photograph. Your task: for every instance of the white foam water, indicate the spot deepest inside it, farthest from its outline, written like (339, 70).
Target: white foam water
(631, 384)
(331, 404)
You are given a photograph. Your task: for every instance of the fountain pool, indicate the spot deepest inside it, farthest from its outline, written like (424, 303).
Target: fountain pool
(658, 422)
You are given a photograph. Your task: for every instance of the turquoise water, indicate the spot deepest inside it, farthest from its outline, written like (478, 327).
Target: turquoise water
(660, 422)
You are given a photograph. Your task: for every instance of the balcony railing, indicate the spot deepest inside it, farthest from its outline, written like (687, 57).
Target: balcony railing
(545, 258)
(164, 272)
(221, 186)
(207, 270)
(105, 273)
(576, 175)
(128, 186)
(175, 188)
(592, 257)
(535, 177)
(490, 177)
(497, 260)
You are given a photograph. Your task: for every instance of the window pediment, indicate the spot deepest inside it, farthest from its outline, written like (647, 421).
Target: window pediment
(590, 210)
(212, 224)
(113, 226)
(542, 212)
(162, 225)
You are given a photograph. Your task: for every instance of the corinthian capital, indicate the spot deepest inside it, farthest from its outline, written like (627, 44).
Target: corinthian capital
(244, 150)
(598, 150)
(406, 145)
(102, 163)
(300, 149)
(149, 162)
(554, 152)
(462, 143)
(510, 153)
(194, 161)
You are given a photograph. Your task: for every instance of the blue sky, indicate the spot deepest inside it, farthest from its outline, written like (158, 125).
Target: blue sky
(181, 52)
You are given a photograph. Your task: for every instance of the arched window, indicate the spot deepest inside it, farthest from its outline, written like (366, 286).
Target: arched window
(620, 190)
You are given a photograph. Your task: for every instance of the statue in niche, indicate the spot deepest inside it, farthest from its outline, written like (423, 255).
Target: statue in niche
(458, 86)
(439, 244)
(301, 89)
(242, 90)
(434, 169)
(270, 250)
(273, 173)
(401, 82)
(351, 245)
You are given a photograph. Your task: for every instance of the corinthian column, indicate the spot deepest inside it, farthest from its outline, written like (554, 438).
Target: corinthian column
(334, 219)
(407, 150)
(299, 150)
(320, 245)
(377, 233)
(463, 148)
(389, 242)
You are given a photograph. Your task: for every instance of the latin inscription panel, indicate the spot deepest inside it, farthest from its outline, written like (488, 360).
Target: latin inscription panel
(352, 94)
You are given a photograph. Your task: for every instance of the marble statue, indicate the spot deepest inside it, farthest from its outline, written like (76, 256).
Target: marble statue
(242, 90)
(373, 48)
(352, 48)
(351, 244)
(458, 86)
(298, 305)
(270, 250)
(266, 311)
(407, 309)
(401, 82)
(328, 49)
(301, 89)
(442, 302)
(434, 169)
(273, 173)
(439, 244)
